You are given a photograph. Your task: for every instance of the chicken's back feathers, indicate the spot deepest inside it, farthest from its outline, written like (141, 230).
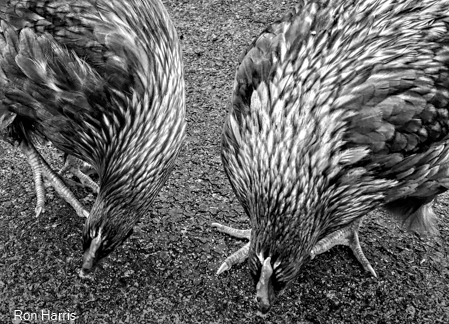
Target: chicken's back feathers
(339, 108)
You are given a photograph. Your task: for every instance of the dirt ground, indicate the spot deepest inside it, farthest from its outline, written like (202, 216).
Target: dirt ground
(165, 273)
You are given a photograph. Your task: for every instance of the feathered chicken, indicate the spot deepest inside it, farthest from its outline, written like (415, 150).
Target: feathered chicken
(103, 81)
(338, 109)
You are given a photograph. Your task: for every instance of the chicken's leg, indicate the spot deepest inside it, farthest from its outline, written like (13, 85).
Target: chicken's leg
(241, 254)
(349, 237)
(74, 165)
(40, 168)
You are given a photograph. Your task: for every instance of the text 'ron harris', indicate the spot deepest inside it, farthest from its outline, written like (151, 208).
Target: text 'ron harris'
(43, 315)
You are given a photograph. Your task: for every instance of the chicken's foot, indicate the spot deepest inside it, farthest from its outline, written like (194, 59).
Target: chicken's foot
(74, 165)
(347, 236)
(240, 255)
(41, 168)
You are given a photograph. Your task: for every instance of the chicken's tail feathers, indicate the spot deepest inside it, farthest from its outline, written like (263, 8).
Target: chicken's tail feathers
(42, 83)
(40, 76)
(51, 66)
(8, 50)
(6, 117)
(415, 214)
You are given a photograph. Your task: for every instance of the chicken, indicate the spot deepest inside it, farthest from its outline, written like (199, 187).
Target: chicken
(338, 109)
(103, 81)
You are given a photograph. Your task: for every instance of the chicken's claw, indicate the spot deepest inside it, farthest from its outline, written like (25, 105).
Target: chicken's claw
(238, 256)
(41, 168)
(74, 165)
(246, 234)
(347, 236)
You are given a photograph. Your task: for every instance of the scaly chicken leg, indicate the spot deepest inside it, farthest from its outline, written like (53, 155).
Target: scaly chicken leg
(74, 165)
(238, 256)
(347, 236)
(41, 168)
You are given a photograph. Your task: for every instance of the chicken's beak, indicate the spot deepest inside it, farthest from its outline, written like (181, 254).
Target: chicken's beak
(90, 257)
(264, 287)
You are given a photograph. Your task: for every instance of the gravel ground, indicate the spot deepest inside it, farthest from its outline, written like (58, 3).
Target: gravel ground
(165, 273)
